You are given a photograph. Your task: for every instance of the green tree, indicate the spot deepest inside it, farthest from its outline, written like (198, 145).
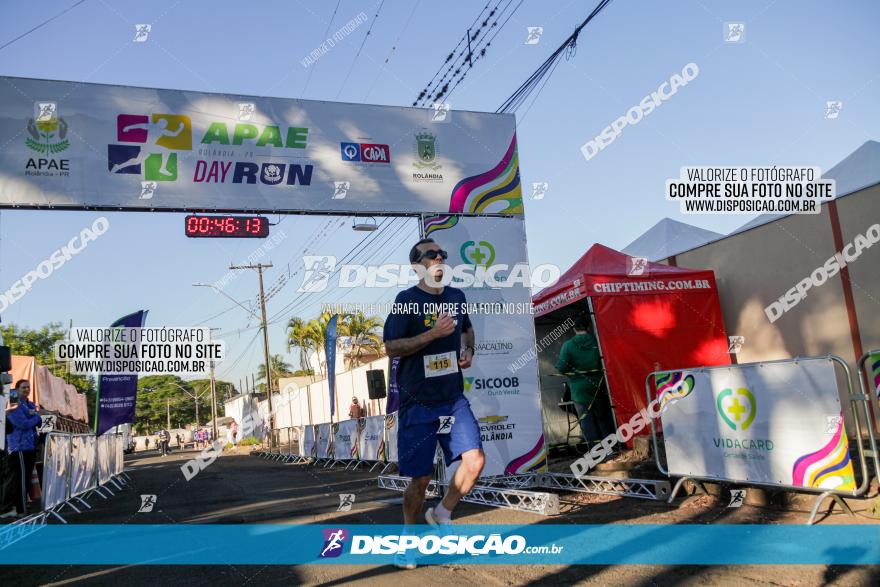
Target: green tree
(41, 345)
(278, 367)
(363, 331)
(161, 395)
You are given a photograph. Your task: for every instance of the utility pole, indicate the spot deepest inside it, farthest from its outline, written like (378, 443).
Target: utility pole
(259, 267)
(213, 391)
(168, 413)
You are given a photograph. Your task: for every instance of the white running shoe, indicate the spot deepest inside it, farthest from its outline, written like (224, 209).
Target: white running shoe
(443, 528)
(405, 560)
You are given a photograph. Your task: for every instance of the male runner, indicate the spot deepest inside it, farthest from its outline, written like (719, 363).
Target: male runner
(427, 330)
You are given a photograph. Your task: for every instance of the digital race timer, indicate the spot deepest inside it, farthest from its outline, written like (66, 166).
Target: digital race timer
(227, 226)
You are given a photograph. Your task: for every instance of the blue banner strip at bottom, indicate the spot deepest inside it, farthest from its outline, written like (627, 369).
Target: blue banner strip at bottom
(191, 544)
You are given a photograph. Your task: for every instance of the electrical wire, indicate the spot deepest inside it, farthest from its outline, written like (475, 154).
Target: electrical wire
(41, 25)
(327, 32)
(392, 50)
(453, 58)
(363, 42)
(522, 93)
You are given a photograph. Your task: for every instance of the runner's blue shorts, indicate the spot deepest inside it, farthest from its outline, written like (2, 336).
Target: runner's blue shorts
(418, 433)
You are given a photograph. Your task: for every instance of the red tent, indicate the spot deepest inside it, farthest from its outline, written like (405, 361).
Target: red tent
(649, 317)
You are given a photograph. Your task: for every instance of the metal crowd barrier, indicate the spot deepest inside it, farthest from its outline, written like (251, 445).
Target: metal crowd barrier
(326, 456)
(869, 385)
(76, 466)
(852, 399)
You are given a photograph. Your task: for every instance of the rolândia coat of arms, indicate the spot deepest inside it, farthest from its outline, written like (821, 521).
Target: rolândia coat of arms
(426, 151)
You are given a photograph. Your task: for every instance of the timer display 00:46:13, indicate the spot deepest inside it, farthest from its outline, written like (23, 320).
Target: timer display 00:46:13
(227, 226)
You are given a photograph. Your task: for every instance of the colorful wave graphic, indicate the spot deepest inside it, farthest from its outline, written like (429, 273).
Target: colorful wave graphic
(534, 460)
(474, 195)
(674, 385)
(390, 420)
(829, 467)
(874, 366)
(380, 454)
(354, 451)
(441, 222)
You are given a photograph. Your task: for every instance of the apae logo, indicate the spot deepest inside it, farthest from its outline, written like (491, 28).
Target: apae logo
(48, 136)
(154, 139)
(735, 414)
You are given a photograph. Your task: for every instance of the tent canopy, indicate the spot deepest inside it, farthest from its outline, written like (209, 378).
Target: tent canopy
(602, 271)
(649, 317)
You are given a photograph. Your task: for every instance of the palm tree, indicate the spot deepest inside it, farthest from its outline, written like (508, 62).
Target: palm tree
(279, 368)
(299, 336)
(362, 330)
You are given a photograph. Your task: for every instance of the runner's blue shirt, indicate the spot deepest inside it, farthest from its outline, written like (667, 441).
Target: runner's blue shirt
(415, 312)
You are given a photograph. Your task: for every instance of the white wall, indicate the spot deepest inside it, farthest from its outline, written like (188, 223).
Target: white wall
(295, 411)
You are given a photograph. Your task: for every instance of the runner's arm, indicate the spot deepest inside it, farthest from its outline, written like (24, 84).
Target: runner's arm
(403, 347)
(468, 339)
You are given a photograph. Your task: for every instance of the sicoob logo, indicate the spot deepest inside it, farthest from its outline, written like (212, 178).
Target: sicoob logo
(334, 541)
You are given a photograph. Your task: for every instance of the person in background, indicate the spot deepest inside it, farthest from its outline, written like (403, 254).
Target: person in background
(355, 411)
(147, 443)
(234, 429)
(21, 444)
(579, 360)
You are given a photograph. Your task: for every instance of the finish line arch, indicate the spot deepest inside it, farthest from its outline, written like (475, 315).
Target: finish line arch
(83, 146)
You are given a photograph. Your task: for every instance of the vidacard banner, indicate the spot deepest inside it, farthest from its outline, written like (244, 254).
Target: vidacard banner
(94, 145)
(772, 423)
(507, 404)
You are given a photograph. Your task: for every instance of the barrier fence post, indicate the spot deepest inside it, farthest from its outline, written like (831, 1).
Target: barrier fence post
(869, 392)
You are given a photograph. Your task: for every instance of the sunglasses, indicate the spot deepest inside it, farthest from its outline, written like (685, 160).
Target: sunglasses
(432, 254)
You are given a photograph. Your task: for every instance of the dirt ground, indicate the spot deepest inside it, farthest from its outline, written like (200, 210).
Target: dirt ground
(239, 488)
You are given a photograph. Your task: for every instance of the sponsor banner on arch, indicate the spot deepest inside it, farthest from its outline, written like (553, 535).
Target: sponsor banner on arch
(83, 145)
(772, 423)
(506, 401)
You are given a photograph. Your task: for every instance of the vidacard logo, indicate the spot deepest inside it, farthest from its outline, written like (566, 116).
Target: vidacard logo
(334, 541)
(738, 410)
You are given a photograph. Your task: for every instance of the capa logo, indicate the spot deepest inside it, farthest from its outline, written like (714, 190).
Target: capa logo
(738, 410)
(334, 540)
(365, 152)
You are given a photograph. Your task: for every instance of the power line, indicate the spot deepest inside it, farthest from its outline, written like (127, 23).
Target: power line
(327, 32)
(363, 42)
(41, 25)
(393, 49)
(569, 45)
(478, 53)
(452, 57)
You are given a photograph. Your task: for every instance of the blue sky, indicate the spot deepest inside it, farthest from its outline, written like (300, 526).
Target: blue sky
(760, 102)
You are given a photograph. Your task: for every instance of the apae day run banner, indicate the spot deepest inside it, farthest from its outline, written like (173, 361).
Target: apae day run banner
(506, 401)
(117, 394)
(773, 423)
(94, 145)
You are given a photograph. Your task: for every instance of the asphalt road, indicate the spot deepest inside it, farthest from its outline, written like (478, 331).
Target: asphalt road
(239, 489)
